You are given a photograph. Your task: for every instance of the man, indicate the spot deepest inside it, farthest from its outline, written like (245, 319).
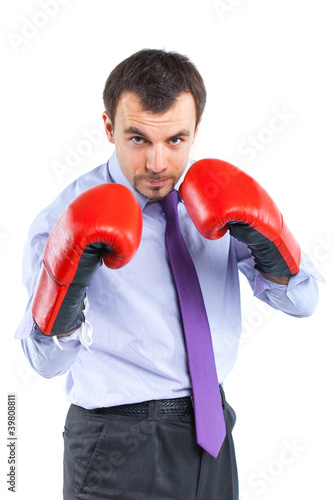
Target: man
(120, 331)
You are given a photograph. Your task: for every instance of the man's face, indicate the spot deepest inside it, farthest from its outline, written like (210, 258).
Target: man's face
(152, 149)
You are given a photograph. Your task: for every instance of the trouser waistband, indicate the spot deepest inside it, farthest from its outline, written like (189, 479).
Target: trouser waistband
(177, 406)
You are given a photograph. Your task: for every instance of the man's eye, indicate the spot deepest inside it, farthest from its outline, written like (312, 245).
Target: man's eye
(137, 140)
(175, 140)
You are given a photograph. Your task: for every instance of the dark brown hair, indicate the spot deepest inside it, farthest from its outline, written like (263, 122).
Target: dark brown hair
(158, 78)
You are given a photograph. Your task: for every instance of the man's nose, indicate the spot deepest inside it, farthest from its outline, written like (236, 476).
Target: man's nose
(156, 159)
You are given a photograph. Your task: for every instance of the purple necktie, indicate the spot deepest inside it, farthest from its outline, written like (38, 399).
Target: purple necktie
(209, 419)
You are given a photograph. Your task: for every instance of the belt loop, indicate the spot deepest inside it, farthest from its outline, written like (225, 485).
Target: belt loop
(153, 410)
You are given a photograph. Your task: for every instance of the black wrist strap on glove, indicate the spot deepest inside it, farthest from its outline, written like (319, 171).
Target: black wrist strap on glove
(266, 256)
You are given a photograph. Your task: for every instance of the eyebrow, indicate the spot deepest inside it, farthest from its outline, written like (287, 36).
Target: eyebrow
(134, 130)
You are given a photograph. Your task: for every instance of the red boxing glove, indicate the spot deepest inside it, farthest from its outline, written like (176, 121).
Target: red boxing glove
(219, 196)
(103, 223)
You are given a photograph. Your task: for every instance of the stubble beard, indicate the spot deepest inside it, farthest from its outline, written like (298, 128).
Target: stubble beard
(154, 193)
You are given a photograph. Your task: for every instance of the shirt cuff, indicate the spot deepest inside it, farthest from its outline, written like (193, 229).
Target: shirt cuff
(27, 328)
(307, 270)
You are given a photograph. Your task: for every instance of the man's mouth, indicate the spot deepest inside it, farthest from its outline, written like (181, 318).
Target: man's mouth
(156, 182)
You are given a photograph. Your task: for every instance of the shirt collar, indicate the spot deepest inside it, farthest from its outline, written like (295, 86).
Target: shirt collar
(118, 177)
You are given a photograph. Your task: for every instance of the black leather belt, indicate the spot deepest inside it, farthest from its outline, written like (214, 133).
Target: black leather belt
(179, 406)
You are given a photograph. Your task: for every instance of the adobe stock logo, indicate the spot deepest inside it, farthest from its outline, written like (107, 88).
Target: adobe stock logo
(225, 7)
(3, 237)
(277, 124)
(30, 28)
(265, 476)
(219, 180)
(90, 140)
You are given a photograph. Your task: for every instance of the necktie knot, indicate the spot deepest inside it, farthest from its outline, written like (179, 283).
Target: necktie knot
(169, 204)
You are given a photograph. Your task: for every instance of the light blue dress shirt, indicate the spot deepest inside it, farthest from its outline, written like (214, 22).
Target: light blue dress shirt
(137, 351)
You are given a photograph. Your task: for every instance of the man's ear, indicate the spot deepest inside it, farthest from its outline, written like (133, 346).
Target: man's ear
(196, 130)
(108, 127)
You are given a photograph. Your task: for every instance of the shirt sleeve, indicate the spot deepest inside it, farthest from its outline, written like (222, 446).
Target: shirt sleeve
(298, 298)
(47, 357)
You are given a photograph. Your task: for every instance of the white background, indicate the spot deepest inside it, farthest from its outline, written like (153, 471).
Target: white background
(257, 57)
